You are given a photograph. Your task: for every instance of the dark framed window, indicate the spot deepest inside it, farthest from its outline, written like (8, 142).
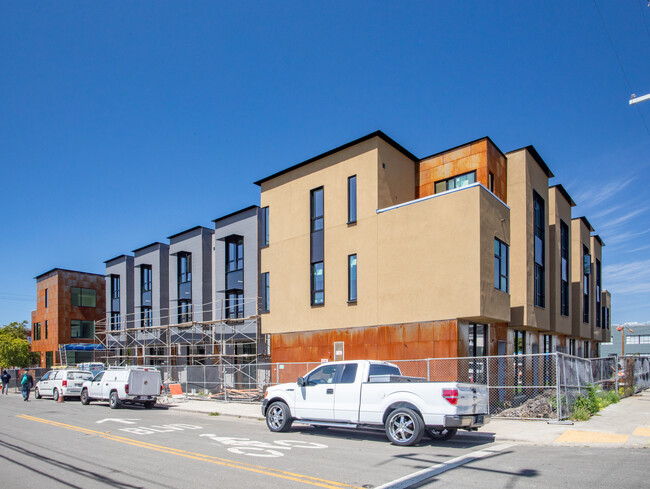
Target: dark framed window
(478, 340)
(184, 268)
(47, 299)
(572, 347)
(586, 271)
(184, 311)
(352, 199)
(145, 278)
(115, 286)
(317, 240)
(520, 342)
(234, 254)
(36, 333)
(265, 306)
(455, 182)
(585, 349)
(317, 284)
(501, 265)
(598, 278)
(491, 182)
(82, 329)
(547, 343)
(83, 297)
(519, 350)
(115, 321)
(265, 226)
(46, 330)
(540, 249)
(146, 318)
(234, 304)
(352, 278)
(564, 269)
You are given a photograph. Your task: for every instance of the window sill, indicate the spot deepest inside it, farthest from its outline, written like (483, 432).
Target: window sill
(264, 312)
(352, 303)
(352, 223)
(318, 305)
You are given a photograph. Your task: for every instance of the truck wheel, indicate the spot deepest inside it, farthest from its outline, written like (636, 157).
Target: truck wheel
(37, 394)
(404, 427)
(85, 400)
(278, 417)
(55, 395)
(149, 404)
(443, 434)
(113, 401)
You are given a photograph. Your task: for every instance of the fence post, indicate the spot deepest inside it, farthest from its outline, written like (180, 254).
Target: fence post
(558, 393)
(616, 375)
(487, 379)
(428, 370)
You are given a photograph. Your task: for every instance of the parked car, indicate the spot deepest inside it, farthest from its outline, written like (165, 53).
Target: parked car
(61, 382)
(371, 394)
(124, 385)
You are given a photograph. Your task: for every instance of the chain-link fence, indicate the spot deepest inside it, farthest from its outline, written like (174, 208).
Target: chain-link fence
(536, 386)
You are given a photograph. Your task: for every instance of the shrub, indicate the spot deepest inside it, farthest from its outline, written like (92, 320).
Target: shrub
(611, 397)
(581, 413)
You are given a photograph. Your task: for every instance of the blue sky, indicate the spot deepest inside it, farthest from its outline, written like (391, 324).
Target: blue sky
(122, 123)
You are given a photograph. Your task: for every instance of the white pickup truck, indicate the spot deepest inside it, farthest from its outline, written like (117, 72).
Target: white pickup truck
(124, 385)
(367, 393)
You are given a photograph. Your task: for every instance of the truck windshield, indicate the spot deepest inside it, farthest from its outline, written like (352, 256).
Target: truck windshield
(380, 369)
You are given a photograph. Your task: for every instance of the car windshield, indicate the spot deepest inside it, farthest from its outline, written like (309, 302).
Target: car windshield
(80, 376)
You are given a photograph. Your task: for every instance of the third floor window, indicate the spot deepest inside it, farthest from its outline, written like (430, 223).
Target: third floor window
(184, 268)
(145, 278)
(83, 297)
(234, 254)
(539, 249)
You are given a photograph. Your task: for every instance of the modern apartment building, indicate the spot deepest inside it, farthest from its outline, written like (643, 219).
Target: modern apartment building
(63, 325)
(375, 253)
(120, 299)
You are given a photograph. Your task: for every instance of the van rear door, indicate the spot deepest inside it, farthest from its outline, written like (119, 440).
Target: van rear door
(144, 383)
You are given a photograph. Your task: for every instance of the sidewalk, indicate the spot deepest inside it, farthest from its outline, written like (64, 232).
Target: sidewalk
(626, 423)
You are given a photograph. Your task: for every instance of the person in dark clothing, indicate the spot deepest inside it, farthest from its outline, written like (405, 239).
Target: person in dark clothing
(6, 377)
(27, 383)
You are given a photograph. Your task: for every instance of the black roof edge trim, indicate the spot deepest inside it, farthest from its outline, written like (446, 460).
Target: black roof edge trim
(465, 144)
(118, 256)
(236, 212)
(599, 239)
(150, 244)
(586, 222)
(564, 193)
(67, 270)
(540, 161)
(188, 230)
(378, 134)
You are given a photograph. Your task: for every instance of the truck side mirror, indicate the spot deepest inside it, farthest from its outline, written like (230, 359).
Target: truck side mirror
(301, 382)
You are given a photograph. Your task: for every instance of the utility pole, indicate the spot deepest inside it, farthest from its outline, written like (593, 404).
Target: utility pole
(622, 330)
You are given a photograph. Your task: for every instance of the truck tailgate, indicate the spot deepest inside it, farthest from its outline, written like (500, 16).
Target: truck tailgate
(472, 399)
(144, 383)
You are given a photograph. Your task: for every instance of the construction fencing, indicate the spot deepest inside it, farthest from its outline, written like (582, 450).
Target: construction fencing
(536, 386)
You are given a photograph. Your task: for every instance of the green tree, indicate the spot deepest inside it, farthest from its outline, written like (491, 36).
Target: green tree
(14, 347)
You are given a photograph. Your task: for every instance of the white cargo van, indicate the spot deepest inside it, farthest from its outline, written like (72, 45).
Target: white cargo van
(124, 385)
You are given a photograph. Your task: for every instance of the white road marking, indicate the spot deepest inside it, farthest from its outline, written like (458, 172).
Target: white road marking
(246, 446)
(119, 420)
(422, 475)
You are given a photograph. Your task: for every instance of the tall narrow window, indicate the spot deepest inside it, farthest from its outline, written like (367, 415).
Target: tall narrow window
(501, 265)
(145, 278)
(234, 254)
(586, 271)
(46, 330)
(184, 311)
(265, 226)
(598, 278)
(46, 298)
(572, 347)
(146, 318)
(234, 304)
(352, 278)
(265, 306)
(477, 348)
(317, 240)
(317, 284)
(115, 287)
(352, 199)
(184, 268)
(115, 321)
(491, 181)
(564, 269)
(540, 249)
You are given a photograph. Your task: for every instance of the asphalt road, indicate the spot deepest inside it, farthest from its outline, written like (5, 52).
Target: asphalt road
(50, 445)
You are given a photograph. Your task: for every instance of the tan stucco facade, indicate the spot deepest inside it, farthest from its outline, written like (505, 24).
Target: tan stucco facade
(559, 212)
(596, 247)
(580, 237)
(428, 260)
(525, 176)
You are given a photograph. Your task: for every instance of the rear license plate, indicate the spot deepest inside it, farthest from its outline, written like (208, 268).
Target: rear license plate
(79, 384)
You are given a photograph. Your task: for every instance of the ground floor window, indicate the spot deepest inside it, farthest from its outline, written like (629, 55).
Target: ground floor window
(478, 341)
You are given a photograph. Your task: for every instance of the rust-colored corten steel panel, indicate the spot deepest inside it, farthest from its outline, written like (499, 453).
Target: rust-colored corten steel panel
(395, 342)
(481, 156)
(60, 311)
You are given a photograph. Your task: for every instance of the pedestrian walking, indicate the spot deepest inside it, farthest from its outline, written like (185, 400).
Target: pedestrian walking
(6, 377)
(27, 383)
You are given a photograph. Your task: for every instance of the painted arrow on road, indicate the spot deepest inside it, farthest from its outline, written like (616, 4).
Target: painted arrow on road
(118, 420)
